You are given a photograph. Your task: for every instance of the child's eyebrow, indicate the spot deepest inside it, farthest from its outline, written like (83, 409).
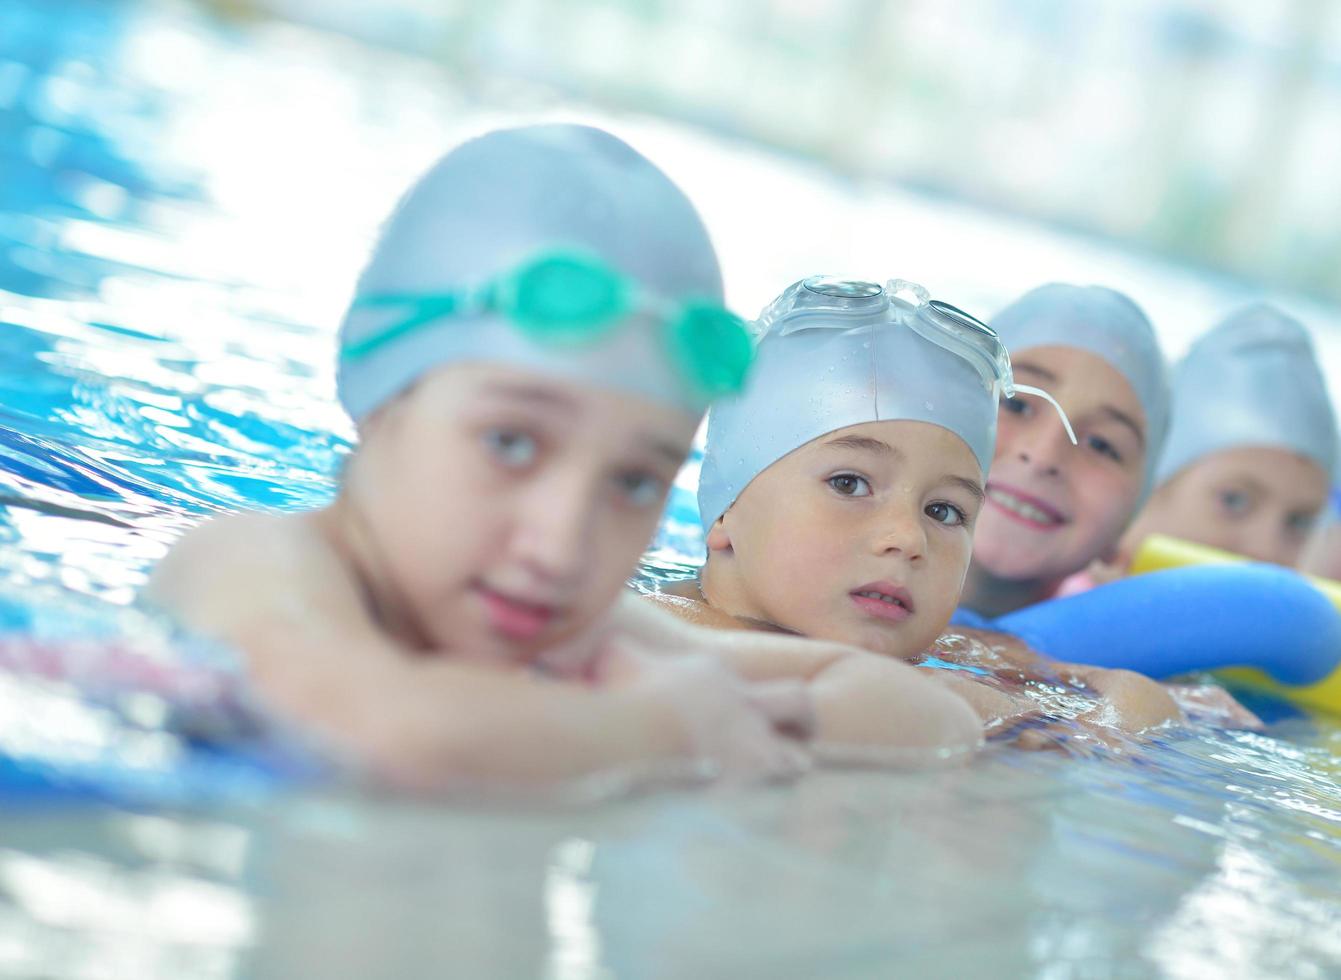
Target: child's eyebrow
(537, 395)
(673, 453)
(1118, 415)
(972, 487)
(863, 443)
(1033, 369)
(1247, 482)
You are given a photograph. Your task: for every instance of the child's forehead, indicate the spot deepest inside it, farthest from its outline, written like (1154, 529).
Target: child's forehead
(1260, 463)
(1077, 373)
(481, 386)
(1062, 361)
(910, 443)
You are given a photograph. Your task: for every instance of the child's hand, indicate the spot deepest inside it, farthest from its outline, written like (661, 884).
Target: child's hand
(730, 724)
(873, 709)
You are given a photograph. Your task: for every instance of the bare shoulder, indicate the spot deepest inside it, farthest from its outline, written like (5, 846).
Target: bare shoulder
(999, 649)
(247, 543)
(250, 565)
(684, 601)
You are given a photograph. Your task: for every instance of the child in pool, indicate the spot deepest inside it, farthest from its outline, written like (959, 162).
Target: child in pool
(1252, 447)
(841, 488)
(527, 358)
(1052, 508)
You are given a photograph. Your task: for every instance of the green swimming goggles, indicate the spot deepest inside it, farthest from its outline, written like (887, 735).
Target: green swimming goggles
(573, 298)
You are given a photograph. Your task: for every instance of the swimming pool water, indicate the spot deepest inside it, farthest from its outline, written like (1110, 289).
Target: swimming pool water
(183, 205)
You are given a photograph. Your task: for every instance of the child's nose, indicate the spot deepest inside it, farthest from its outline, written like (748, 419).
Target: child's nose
(549, 535)
(1042, 446)
(900, 532)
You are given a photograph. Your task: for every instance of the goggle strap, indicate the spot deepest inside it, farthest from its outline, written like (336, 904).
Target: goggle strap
(425, 307)
(1061, 413)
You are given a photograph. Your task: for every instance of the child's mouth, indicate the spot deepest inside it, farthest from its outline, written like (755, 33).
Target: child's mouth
(883, 600)
(1025, 509)
(515, 619)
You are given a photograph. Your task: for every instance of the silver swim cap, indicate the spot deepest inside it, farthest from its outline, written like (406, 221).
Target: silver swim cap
(835, 353)
(498, 228)
(1108, 324)
(1253, 380)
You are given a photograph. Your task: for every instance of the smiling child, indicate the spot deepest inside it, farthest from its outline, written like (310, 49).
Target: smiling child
(1053, 507)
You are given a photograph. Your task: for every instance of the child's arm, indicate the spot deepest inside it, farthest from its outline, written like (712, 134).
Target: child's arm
(272, 587)
(996, 709)
(696, 612)
(1129, 702)
(860, 699)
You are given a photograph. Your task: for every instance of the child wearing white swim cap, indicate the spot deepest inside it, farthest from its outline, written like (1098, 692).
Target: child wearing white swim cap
(527, 357)
(1252, 450)
(1054, 506)
(841, 488)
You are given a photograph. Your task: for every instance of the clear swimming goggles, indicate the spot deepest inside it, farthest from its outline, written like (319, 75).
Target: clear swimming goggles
(944, 325)
(573, 298)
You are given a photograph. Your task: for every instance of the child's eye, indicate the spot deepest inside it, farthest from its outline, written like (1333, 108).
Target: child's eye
(511, 447)
(947, 514)
(1015, 406)
(1301, 522)
(641, 489)
(1235, 502)
(1103, 447)
(850, 485)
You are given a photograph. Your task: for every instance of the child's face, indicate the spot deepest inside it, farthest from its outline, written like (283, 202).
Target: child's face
(825, 538)
(1053, 507)
(1258, 501)
(505, 509)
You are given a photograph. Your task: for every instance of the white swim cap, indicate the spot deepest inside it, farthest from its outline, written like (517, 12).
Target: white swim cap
(480, 259)
(835, 353)
(1253, 380)
(1108, 324)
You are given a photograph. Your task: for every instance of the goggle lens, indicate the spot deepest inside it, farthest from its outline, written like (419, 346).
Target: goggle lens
(565, 297)
(713, 348)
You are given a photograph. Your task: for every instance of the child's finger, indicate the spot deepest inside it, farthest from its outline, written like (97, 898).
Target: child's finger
(786, 703)
(763, 754)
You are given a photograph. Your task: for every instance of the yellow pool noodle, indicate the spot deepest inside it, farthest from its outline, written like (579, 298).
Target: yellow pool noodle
(1159, 551)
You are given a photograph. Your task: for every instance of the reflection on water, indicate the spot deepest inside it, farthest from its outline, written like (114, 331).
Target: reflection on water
(1020, 865)
(175, 245)
(161, 899)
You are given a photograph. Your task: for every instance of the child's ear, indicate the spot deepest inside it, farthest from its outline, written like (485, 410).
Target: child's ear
(719, 539)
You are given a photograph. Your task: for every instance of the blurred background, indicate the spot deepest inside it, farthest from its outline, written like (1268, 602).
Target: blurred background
(1208, 131)
(1205, 134)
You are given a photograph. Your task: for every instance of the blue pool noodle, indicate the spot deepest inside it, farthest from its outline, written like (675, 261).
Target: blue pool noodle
(1187, 619)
